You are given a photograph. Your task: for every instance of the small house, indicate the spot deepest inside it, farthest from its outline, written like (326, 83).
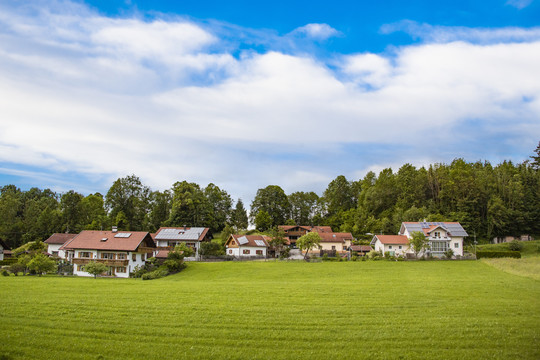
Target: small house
(56, 241)
(247, 246)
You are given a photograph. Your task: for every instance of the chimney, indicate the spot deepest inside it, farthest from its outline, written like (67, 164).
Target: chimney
(114, 229)
(185, 228)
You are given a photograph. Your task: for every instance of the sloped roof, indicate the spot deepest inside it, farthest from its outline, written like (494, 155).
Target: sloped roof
(59, 238)
(391, 239)
(108, 240)
(364, 248)
(181, 233)
(335, 237)
(250, 240)
(454, 228)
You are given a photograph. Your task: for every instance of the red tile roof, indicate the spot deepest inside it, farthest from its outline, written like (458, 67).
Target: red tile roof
(162, 254)
(335, 237)
(59, 238)
(393, 239)
(106, 240)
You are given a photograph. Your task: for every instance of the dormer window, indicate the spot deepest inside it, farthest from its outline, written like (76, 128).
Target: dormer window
(437, 234)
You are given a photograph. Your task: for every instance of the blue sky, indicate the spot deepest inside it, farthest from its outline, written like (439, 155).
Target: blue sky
(245, 94)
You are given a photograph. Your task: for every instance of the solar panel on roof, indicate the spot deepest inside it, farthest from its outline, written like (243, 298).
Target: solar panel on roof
(243, 240)
(122, 235)
(260, 243)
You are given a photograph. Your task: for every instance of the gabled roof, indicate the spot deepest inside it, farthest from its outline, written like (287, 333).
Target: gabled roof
(59, 238)
(335, 237)
(108, 240)
(181, 233)
(391, 239)
(250, 240)
(453, 228)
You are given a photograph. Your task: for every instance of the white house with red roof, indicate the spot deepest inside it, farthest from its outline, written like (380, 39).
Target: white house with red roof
(441, 236)
(121, 251)
(247, 246)
(393, 244)
(55, 243)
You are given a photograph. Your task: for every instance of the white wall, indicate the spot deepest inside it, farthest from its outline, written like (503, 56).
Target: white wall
(459, 250)
(1, 253)
(56, 247)
(238, 252)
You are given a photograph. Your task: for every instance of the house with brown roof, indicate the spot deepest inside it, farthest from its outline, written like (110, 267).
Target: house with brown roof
(247, 246)
(393, 244)
(120, 251)
(166, 238)
(359, 250)
(55, 242)
(294, 232)
(330, 241)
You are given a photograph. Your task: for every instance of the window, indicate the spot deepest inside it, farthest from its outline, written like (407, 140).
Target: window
(456, 245)
(390, 246)
(246, 252)
(108, 256)
(230, 251)
(400, 247)
(55, 253)
(121, 256)
(437, 234)
(134, 257)
(85, 254)
(258, 252)
(333, 247)
(439, 246)
(121, 269)
(142, 257)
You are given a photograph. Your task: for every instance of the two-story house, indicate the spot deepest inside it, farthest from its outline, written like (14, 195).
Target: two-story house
(55, 243)
(121, 251)
(166, 238)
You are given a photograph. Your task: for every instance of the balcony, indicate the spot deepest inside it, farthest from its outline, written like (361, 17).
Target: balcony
(108, 262)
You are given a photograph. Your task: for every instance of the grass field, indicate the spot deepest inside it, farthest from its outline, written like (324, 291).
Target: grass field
(247, 310)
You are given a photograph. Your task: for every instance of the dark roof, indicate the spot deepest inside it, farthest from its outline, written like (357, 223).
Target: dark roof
(59, 238)
(108, 240)
(454, 228)
(181, 233)
(319, 229)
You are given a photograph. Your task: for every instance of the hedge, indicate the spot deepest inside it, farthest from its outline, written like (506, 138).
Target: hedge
(498, 254)
(8, 261)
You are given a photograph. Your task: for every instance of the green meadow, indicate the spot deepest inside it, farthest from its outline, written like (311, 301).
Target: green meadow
(278, 310)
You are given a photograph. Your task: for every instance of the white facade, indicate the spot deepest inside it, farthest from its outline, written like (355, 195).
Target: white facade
(393, 249)
(247, 251)
(118, 269)
(440, 240)
(54, 249)
(1, 252)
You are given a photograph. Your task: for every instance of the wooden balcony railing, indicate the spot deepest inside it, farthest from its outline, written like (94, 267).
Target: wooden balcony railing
(108, 262)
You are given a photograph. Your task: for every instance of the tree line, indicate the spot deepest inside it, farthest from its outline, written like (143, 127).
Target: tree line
(487, 200)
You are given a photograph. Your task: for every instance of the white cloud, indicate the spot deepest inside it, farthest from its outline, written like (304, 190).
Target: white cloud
(163, 100)
(445, 34)
(519, 4)
(317, 31)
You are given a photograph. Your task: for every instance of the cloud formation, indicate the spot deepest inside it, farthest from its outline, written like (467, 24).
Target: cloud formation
(168, 99)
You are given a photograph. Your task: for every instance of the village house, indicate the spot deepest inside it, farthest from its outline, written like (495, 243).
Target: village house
(330, 241)
(393, 244)
(247, 246)
(120, 251)
(166, 238)
(3, 248)
(509, 238)
(441, 235)
(56, 241)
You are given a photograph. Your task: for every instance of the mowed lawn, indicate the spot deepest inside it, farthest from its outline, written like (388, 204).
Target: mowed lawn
(280, 310)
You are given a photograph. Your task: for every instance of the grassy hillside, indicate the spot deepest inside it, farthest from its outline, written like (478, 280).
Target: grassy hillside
(530, 248)
(261, 310)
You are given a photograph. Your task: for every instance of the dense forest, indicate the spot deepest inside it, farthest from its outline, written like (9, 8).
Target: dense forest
(487, 200)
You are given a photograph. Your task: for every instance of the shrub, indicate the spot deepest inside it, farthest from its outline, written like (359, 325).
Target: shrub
(498, 254)
(8, 261)
(515, 245)
(16, 268)
(285, 253)
(354, 258)
(325, 257)
(5, 273)
(156, 274)
(449, 253)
